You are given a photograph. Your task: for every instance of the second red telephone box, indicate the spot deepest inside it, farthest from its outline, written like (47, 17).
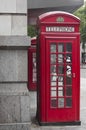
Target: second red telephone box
(32, 65)
(58, 69)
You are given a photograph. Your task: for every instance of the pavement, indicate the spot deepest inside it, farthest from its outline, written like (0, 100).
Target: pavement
(34, 126)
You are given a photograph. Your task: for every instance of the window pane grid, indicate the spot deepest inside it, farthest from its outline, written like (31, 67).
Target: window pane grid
(61, 75)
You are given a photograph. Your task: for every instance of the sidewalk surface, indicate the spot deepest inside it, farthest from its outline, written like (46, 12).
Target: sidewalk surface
(33, 126)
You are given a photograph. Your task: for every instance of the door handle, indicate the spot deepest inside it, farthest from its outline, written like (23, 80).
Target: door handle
(74, 75)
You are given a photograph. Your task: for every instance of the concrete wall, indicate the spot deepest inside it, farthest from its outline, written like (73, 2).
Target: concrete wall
(13, 24)
(13, 17)
(55, 3)
(13, 6)
(14, 43)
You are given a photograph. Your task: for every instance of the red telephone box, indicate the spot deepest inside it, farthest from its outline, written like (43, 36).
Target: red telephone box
(58, 69)
(32, 65)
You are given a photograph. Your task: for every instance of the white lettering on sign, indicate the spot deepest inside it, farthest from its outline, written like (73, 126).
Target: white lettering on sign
(60, 29)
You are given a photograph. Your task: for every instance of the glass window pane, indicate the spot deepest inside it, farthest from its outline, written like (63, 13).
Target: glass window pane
(53, 58)
(68, 70)
(34, 67)
(60, 69)
(69, 47)
(34, 70)
(34, 54)
(68, 102)
(60, 80)
(60, 93)
(34, 77)
(53, 102)
(53, 94)
(68, 91)
(60, 88)
(53, 69)
(53, 83)
(60, 58)
(53, 88)
(68, 80)
(53, 78)
(53, 47)
(34, 62)
(60, 102)
(68, 58)
(60, 47)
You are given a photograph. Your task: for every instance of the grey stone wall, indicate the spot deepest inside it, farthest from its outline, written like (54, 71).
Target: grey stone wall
(13, 6)
(14, 95)
(10, 107)
(14, 43)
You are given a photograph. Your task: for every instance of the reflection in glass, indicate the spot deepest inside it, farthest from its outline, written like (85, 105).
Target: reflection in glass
(53, 48)
(68, 70)
(53, 69)
(60, 69)
(68, 47)
(68, 102)
(68, 58)
(60, 47)
(68, 91)
(34, 77)
(34, 54)
(34, 68)
(60, 102)
(53, 83)
(53, 88)
(53, 94)
(60, 58)
(60, 88)
(60, 93)
(53, 78)
(60, 80)
(53, 58)
(34, 62)
(69, 80)
(53, 102)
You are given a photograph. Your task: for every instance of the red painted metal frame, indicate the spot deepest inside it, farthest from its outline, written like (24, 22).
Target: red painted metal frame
(31, 50)
(46, 114)
(63, 114)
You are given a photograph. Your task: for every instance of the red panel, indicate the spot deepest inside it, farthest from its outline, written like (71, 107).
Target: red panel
(58, 93)
(32, 79)
(51, 17)
(63, 114)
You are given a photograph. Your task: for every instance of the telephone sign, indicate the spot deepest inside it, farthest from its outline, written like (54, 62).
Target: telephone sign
(59, 29)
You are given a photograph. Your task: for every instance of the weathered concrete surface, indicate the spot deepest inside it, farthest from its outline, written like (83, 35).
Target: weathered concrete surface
(14, 109)
(13, 89)
(14, 42)
(13, 6)
(16, 126)
(13, 65)
(13, 24)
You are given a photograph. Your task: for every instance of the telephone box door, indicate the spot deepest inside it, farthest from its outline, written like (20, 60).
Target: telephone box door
(61, 80)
